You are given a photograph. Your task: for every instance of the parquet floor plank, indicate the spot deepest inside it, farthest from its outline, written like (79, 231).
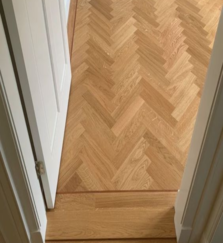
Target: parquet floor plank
(119, 241)
(112, 215)
(138, 68)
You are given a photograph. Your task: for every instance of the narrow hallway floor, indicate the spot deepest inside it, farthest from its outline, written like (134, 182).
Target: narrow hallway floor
(138, 69)
(138, 72)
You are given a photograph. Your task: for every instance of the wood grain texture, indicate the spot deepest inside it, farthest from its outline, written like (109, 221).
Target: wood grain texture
(138, 71)
(71, 23)
(120, 241)
(112, 216)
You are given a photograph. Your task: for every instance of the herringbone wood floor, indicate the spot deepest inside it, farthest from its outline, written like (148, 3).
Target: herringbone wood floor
(138, 71)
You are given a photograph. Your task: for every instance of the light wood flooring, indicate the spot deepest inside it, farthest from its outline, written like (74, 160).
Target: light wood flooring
(120, 241)
(138, 70)
(119, 215)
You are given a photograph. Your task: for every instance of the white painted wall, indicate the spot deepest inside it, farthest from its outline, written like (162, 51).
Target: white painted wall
(67, 6)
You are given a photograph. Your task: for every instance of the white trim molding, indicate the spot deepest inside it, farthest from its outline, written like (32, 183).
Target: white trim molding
(67, 8)
(204, 169)
(8, 225)
(213, 232)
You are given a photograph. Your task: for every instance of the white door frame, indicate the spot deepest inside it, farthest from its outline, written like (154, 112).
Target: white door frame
(204, 169)
(67, 8)
(23, 214)
(213, 232)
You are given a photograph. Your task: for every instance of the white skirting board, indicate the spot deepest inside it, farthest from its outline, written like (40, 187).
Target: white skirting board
(67, 6)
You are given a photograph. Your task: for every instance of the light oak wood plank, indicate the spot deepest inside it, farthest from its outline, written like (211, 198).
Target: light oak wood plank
(112, 216)
(71, 23)
(127, 116)
(119, 241)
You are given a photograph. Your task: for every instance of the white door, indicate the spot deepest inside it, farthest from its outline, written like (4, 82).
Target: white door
(38, 33)
(204, 168)
(22, 209)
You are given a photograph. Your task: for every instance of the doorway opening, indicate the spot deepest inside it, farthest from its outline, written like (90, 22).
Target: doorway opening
(138, 73)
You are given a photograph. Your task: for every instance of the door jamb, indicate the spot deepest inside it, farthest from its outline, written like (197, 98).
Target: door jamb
(204, 168)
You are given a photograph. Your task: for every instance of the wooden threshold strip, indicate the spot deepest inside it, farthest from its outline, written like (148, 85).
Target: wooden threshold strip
(122, 191)
(120, 241)
(132, 215)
